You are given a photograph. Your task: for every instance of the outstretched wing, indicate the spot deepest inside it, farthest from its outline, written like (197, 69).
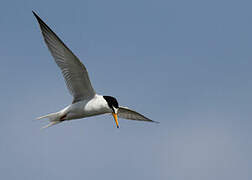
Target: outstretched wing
(74, 72)
(126, 113)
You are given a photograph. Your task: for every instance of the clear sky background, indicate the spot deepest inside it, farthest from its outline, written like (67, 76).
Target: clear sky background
(184, 63)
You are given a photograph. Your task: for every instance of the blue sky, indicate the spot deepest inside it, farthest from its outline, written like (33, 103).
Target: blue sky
(184, 63)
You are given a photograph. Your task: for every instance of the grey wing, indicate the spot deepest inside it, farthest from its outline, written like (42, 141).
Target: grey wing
(126, 113)
(74, 72)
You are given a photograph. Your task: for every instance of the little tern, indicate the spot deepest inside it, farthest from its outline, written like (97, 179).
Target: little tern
(85, 102)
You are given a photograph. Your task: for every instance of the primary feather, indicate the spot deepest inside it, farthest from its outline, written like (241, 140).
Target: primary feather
(126, 113)
(74, 72)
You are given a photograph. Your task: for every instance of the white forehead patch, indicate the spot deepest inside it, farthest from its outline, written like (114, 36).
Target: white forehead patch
(115, 109)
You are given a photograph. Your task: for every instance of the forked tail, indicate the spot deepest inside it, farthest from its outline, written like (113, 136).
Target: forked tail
(54, 118)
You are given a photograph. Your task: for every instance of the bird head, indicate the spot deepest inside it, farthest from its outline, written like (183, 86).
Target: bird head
(113, 105)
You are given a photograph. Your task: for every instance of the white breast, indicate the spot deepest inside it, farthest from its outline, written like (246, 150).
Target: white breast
(95, 106)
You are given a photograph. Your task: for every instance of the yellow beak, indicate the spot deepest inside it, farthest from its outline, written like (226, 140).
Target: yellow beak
(116, 119)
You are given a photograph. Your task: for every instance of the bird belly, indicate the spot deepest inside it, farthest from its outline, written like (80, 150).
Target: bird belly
(73, 115)
(86, 109)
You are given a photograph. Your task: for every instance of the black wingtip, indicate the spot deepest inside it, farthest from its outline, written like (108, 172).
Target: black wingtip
(36, 16)
(34, 13)
(154, 121)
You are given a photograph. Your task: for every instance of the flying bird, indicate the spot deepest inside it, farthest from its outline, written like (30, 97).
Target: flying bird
(86, 102)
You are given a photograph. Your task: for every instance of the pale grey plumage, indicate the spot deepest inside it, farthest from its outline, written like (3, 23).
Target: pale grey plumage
(126, 113)
(86, 102)
(74, 72)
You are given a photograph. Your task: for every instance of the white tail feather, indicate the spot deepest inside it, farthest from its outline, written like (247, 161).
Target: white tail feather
(52, 117)
(51, 124)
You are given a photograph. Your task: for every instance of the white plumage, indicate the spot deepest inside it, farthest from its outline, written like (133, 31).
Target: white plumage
(85, 100)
